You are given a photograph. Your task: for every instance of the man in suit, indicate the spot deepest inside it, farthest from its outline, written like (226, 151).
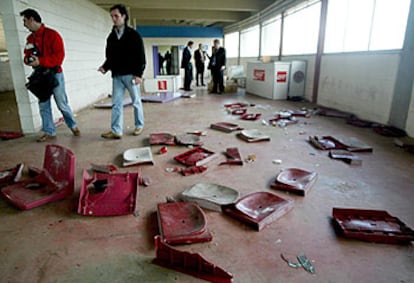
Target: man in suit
(200, 58)
(187, 65)
(218, 64)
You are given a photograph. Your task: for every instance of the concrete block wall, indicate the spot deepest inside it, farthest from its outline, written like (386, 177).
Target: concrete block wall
(362, 84)
(84, 28)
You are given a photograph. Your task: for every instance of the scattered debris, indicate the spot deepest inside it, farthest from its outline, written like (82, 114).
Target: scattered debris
(109, 168)
(253, 135)
(303, 262)
(250, 117)
(389, 131)
(8, 135)
(251, 158)
(371, 225)
(277, 161)
(169, 257)
(110, 194)
(11, 175)
(137, 156)
(182, 223)
(195, 157)
(233, 157)
(259, 209)
(225, 127)
(405, 142)
(345, 156)
(198, 133)
(188, 139)
(162, 139)
(193, 170)
(55, 181)
(329, 142)
(210, 196)
(163, 150)
(294, 180)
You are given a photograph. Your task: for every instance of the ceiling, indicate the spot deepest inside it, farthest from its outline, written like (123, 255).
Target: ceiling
(205, 13)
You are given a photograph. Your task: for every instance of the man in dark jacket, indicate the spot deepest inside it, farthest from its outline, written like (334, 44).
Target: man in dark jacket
(125, 57)
(218, 64)
(45, 48)
(200, 58)
(187, 65)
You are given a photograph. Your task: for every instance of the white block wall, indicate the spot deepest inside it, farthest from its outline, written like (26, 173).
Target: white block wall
(362, 84)
(84, 28)
(410, 119)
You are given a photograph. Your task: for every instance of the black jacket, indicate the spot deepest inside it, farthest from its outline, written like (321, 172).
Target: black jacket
(186, 60)
(125, 56)
(218, 59)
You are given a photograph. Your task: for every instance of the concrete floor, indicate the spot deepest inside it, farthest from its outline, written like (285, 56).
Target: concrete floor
(54, 244)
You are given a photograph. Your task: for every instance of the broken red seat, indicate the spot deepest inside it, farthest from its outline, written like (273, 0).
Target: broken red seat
(225, 127)
(11, 175)
(294, 180)
(195, 157)
(259, 209)
(371, 225)
(189, 263)
(162, 139)
(329, 142)
(110, 194)
(182, 223)
(233, 157)
(250, 116)
(52, 183)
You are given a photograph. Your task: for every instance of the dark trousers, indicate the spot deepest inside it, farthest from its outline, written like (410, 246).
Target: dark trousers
(218, 80)
(200, 71)
(188, 76)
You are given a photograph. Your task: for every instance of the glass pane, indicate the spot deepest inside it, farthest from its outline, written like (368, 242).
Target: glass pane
(271, 38)
(358, 25)
(390, 21)
(231, 43)
(249, 42)
(335, 26)
(300, 35)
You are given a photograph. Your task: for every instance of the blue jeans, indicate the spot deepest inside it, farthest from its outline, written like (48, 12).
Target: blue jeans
(119, 84)
(61, 99)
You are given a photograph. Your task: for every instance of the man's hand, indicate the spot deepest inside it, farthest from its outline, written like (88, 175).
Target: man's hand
(137, 80)
(34, 61)
(102, 70)
(222, 68)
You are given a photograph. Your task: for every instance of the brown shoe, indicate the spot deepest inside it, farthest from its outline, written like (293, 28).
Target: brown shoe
(137, 131)
(111, 135)
(45, 138)
(75, 131)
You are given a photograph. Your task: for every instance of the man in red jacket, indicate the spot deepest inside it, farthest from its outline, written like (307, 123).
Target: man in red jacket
(44, 47)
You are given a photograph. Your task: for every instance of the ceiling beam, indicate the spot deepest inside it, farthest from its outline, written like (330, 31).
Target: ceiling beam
(215, 16)
(223, 5)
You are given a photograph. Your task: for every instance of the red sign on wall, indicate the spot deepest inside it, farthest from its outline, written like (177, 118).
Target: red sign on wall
(281, 77)
(258, 75)
(162, 85)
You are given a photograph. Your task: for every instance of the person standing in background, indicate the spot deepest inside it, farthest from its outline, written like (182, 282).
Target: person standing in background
(125, 57)
(218, 65)
(168, 59)
(200, 58)
(187, 65)
(44, 48)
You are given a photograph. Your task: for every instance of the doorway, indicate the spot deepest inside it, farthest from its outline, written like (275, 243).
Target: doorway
(9, 114)
(166, 60)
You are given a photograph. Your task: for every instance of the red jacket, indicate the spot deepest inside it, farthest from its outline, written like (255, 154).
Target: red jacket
(50, 44)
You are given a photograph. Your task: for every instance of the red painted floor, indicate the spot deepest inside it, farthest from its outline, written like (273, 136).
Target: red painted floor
(54, 244)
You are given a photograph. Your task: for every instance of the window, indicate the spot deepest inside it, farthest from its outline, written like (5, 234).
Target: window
(271, 37)
(249, 42)
(354, 25)
(231, 43)
(301, 29)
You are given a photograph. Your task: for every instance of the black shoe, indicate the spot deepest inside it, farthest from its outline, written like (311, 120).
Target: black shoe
(203, 85)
